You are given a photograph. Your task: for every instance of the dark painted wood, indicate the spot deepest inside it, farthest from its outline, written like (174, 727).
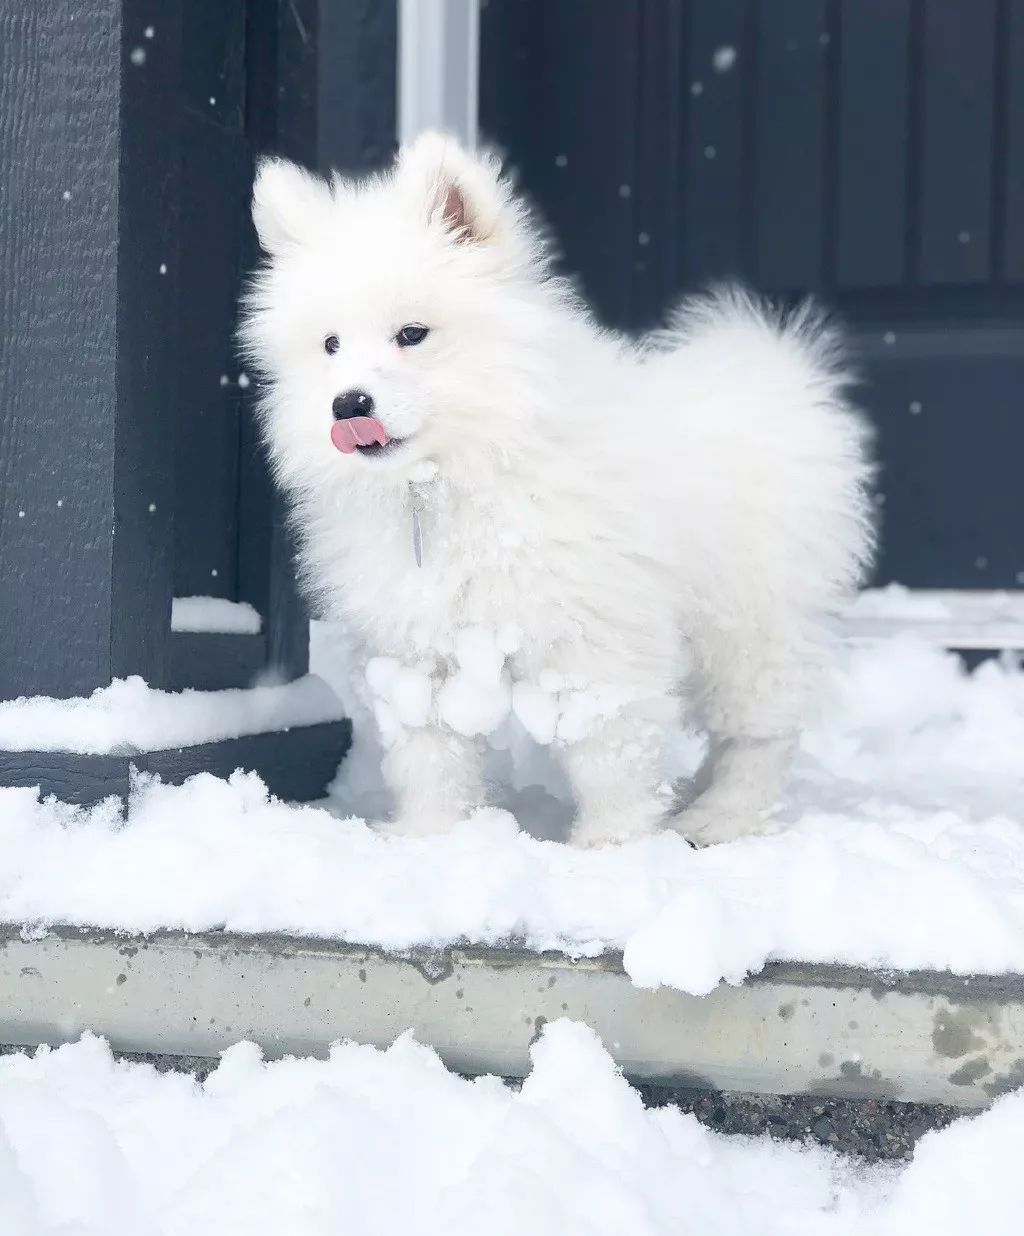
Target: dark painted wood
(214, 186)
(955, 175)
(357, 91)
(953, 506)
(566, 113)
(296, 765)
(656, 192)
(88, 145)
(212, 661)
(1009, 252)
(789, 183)
(717, 151)
(871, 142)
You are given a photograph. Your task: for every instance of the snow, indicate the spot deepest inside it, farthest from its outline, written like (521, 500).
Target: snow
(130, 716)
(723, 59)
(214, 614)
(388, 1143)
(901, 845)
(476, 699)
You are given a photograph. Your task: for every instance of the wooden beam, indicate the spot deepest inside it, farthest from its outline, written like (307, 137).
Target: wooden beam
(296, 764)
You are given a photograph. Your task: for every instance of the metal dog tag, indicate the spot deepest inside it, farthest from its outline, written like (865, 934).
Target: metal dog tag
(417, 537)
(424, 474)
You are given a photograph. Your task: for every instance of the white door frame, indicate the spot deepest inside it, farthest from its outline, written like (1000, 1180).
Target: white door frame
(438, 68)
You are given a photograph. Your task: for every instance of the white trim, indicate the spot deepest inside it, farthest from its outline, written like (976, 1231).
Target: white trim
(438, 68)
(979, 620)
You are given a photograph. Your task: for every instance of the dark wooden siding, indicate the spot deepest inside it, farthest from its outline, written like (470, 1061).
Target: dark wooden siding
(866, 151)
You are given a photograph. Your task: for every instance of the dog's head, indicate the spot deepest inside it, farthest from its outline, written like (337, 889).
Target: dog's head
(399, 317)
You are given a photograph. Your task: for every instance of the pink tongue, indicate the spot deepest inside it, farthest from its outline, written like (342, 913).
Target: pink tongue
(358, 431)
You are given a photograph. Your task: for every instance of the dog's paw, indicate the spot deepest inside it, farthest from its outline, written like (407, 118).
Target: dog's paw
(706, 824)
(419, 824)
(594, 832)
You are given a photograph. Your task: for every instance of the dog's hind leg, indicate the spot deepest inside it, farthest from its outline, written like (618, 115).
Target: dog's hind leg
(751, 688)
(436, 778)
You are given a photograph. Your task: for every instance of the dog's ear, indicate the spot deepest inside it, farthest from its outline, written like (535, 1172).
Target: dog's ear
(449, 185)
(287, 202)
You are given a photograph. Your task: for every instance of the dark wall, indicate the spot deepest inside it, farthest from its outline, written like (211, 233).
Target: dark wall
(88, 245)
(868, 151)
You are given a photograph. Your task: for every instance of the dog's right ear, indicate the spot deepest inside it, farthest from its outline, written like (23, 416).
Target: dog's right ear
(287, 203)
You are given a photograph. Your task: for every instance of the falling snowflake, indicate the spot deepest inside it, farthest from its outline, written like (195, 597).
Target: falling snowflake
(724, 58)
(138, 56)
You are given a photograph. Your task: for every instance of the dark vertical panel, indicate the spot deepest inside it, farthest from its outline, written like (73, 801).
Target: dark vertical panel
(148, 360)
(656, 207)
(1012, 152)
(874, 86)
(954, 506)
(955, 180)
(214, 185)
(714, 151)
(789, 189)
(356, 87)
(567, 117)
(88, 150)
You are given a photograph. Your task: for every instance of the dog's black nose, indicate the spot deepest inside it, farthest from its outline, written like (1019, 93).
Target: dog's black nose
(352, 403)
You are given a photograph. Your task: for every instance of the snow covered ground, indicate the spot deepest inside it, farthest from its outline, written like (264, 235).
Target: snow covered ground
(388, 1143)
(901, 845)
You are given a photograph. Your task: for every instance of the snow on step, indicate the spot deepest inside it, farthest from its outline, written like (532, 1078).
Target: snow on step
(981, 620)
(131, 716)
(214, 615)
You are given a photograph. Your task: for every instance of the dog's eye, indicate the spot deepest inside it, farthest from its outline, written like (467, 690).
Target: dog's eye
(331, 344)
(410, 336)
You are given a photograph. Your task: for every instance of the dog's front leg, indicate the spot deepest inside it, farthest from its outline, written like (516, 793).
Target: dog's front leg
(615, 773)
(435, 775)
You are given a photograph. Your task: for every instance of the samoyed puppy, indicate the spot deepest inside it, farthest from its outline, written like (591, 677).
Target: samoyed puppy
(514, 509)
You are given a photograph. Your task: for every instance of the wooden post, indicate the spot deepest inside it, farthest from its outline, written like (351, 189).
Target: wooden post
(88, 236)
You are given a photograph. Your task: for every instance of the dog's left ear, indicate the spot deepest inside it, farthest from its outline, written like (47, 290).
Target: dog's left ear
(462, 191)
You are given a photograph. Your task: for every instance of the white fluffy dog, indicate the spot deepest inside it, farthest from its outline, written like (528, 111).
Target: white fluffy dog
(633, 522)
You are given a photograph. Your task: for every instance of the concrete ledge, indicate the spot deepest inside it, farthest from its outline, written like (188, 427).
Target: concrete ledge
(794, 1029)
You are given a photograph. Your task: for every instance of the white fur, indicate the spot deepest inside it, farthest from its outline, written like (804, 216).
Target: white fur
(678, 516)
